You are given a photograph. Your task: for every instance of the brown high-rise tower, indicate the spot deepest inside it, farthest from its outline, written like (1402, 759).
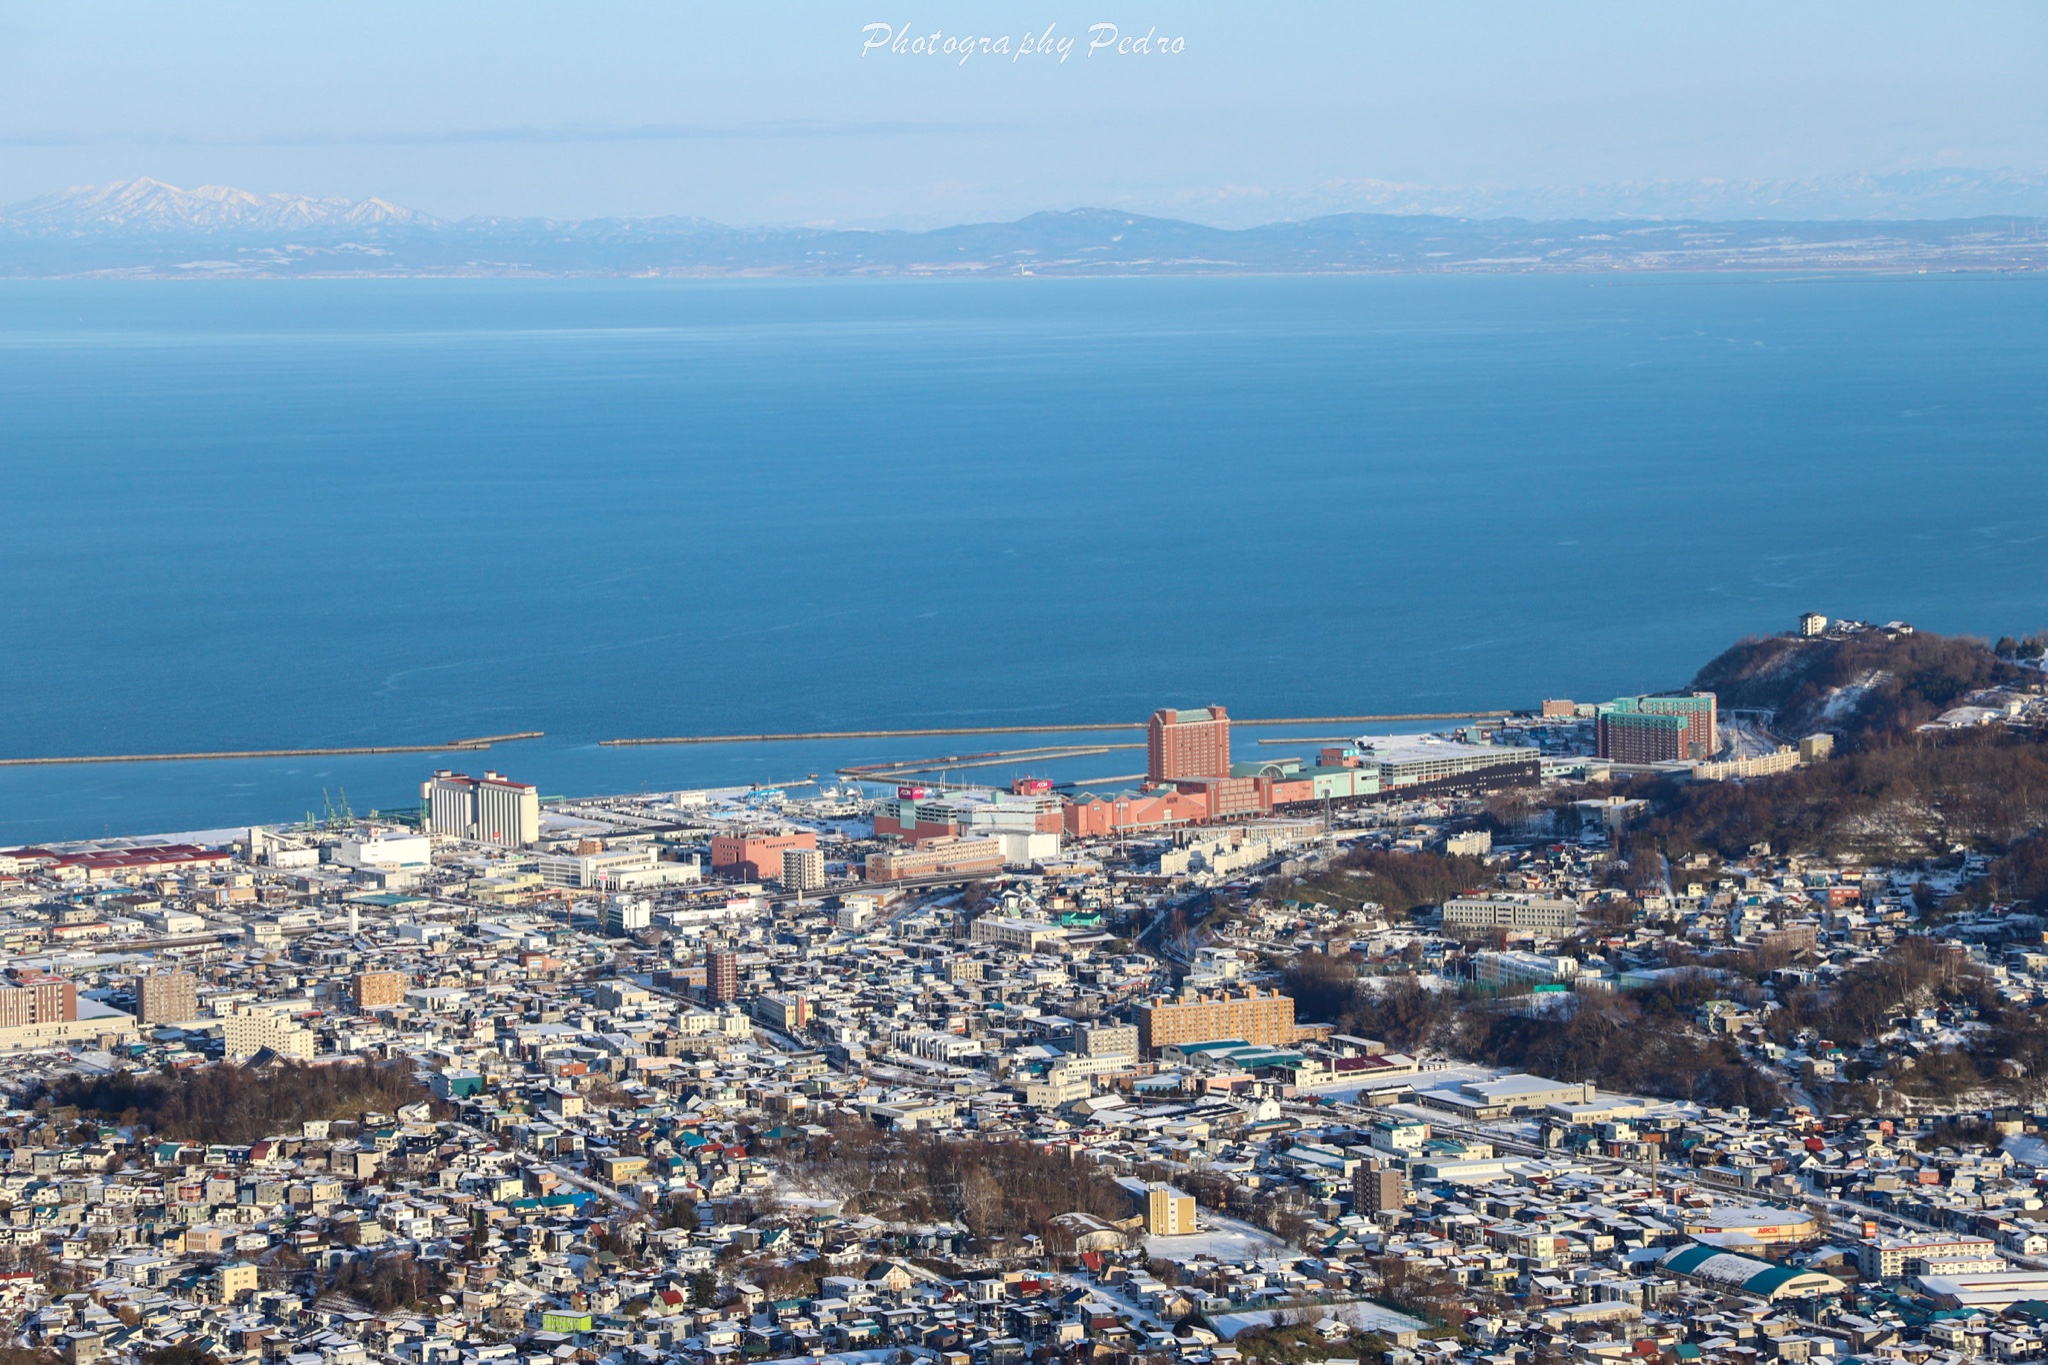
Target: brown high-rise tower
(1182, 744)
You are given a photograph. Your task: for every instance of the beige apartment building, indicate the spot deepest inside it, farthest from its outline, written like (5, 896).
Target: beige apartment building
(1264, 1017)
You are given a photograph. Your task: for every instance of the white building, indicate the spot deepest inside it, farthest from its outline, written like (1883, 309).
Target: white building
(627, 914)
(1517, 969)
(856, 912)
(490, 809)
(1892, 1258)
(803, 869)
(384, 851)
(1025, 935)
(1024, 848)
(1506, 1095)
(1548, 916)
(1405, 760)
(251, 1029)
(617, 869)
(166, 920)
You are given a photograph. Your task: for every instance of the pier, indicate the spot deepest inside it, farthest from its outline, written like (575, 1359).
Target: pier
(1390, 718)
(476, 745)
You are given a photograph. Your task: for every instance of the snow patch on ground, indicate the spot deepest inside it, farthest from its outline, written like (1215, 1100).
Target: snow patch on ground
(2028, 1151)
(1360, 1317)
(1844, 701)
(1225, 1239)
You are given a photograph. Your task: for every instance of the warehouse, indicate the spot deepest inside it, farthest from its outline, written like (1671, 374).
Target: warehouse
(1748, 1275)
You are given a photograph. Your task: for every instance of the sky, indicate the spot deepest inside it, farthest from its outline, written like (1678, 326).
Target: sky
(780, 113)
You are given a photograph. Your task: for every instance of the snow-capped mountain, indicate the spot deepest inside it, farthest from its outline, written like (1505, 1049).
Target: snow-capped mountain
(145, 227)
(147, 205)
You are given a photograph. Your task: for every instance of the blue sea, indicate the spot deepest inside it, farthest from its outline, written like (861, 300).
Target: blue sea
(290, 514)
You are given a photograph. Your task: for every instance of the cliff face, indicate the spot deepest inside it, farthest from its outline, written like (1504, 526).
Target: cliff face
(1863, 687)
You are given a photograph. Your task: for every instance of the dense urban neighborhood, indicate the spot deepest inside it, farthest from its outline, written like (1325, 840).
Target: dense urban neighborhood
(1709, 1025)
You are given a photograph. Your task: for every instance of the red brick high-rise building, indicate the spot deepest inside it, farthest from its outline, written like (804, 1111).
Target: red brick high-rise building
(1640, 737)
(37, 998)
(721, 975)
(1187, 744)
(1629, 729)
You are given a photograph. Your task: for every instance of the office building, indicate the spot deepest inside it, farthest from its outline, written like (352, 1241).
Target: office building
(1266, 1018)
(379, 990)
(166, 998)
(1057, 1087)
(756, 856)
(1026, 850)
(491, 809)
(1545, 916)
(385, 850)
(936, 858)
(615, 869)
(721, 975)
(1192, 743)
(803, 869)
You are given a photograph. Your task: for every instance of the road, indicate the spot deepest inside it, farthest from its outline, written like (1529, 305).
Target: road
(1745, 735)
(582, 1182)
(567, 1176)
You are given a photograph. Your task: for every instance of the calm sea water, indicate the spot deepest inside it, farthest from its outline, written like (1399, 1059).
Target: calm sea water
(254, 515)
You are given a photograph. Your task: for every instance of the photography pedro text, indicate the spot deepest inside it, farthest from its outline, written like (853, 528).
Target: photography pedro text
(1106, 39)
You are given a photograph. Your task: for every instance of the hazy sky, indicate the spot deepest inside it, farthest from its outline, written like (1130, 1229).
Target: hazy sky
(773, 113)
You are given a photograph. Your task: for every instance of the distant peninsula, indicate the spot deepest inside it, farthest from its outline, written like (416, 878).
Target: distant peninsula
(150, 230)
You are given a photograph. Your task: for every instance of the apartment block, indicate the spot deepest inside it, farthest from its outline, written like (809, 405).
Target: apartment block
(1264, 1017)
(1378, 1188)
(378, 990)
(721, 975)
(166, 998)
(1168, 1212)
(251, 1031)
(803, 869)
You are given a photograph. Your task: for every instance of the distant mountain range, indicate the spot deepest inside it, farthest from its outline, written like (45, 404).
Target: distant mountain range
(147, 205)
(145, 228)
